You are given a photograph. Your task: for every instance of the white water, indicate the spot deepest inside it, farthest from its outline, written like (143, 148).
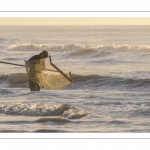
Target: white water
(110, 69)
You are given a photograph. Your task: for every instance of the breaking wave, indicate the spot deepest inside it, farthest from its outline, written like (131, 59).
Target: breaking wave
(91, 81)
(14, 80)
(80, 81)
(61, 110)
(77, 49)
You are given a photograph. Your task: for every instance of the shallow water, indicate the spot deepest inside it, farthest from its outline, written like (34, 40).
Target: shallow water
(110, 69)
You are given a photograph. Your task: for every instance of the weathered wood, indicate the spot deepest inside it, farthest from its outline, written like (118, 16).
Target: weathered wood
(13, 64)
(60, 70)
(23, 65)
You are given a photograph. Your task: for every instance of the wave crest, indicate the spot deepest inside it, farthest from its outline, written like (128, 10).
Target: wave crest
(71, 47)
(15, 80)
(42, 110)
(90, 81)
(80, 81)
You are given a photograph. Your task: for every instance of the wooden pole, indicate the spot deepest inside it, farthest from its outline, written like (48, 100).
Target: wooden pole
(23, 65)
(60, 70)
(13, 64)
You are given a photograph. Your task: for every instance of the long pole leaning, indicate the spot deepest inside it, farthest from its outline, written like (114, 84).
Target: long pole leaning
(60, 70)
(13, 64)
(22, 65)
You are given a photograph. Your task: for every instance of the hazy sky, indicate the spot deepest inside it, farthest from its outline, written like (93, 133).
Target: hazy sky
(74, 21)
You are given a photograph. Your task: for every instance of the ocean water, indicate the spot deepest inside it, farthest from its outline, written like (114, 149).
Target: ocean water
(110, 66)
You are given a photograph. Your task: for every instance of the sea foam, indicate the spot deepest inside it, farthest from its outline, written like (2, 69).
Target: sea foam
(71, 47)
(42, 110)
